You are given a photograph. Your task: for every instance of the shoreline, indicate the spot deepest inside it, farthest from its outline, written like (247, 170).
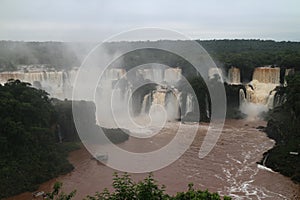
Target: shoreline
(89, 177)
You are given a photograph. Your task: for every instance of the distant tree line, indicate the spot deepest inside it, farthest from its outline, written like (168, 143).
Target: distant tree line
(244, 54)
(248, 54)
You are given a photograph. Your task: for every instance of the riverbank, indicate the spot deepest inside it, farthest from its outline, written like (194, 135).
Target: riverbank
(284, 157)
(230, 169)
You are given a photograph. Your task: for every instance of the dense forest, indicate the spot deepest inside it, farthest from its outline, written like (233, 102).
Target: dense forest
(245, 54)
(248, 54)
(36, 134)
(284, 127)
(27, 139)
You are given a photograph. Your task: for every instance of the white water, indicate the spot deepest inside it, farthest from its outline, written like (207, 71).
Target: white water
(215, 72)
(57, 83)
(260, 91)
(234, 75)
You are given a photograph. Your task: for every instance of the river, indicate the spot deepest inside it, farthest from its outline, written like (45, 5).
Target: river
(229, 169)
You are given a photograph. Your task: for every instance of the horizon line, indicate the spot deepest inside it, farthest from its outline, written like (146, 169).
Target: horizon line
(216, 39)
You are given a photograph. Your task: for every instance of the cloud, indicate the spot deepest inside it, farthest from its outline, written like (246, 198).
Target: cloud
(80, 20)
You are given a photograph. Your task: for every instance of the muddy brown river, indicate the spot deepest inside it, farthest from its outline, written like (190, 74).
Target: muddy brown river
(229, 169)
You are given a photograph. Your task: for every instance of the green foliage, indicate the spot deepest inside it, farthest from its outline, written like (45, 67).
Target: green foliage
(64, 117)
(147, 189)
(284, 128)
(248, 54)
(27, 139)
(57, 195)
(245, 54)
(53, 54)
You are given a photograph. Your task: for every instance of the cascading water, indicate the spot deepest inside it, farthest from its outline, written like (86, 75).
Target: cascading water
(242, 97)
(234, 75)
(172, 105)
(215, 72)
(160, 75)
(189, 104)
(271, 98)
(113, 93)
(172, 75)
(146, 104)
(267, 75)
(265, 79)
(165, 95)
(57, 83)
(207, 107)
(260, 91)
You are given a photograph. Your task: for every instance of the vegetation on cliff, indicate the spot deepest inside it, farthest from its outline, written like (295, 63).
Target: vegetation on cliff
(248, 54)
(284, 127)
(36, 134)
(29, 152)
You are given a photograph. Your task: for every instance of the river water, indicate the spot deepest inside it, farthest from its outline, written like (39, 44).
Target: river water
(229, 169)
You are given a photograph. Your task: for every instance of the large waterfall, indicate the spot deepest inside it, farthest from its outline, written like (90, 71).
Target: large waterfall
(260, 93)
(165, 94)
(267, 75)
(215, 72)
(265, 79)
(57, 83)
(149, 98)
(234, 75)
(166, 98)
(160, 75)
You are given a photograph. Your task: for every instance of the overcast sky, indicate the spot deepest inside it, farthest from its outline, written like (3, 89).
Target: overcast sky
(95, 20)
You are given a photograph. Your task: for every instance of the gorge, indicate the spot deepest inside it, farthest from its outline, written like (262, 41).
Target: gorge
(257, 96)
(236, 175)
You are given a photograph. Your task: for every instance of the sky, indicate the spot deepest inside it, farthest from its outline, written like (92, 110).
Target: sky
(97, 20)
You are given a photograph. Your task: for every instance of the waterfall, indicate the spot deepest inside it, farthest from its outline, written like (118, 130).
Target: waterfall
(267, 75)
(146, 104)
(215, 72)
(159, 97)
(260, 92)
(172, 75)
(234, 75)
(162, 98)
(242, 97)
(113, 99)
(172, 105)
(189, 104)
(158, 75)
(270, 102)
(111, 91)
(207, 107)
(57, 83)
(265, 80)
